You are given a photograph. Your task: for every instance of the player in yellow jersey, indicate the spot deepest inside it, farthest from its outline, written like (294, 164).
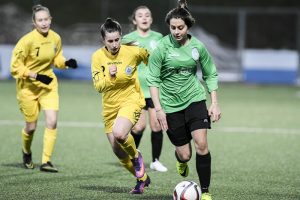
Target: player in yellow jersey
(114, 71)
(36, 83)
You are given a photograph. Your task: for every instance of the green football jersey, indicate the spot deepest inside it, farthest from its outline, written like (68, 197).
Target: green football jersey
(149, 42)
(173, 68)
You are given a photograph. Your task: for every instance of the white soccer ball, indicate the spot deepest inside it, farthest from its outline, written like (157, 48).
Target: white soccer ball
(187, 190)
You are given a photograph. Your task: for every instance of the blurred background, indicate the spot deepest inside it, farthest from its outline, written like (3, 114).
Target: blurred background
(251, 41)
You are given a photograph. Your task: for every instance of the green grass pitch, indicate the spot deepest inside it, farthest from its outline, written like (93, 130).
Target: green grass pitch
(255, 149)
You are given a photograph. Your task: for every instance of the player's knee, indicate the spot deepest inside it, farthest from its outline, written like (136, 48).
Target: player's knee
(30, 131)
(156, 127)
(139, 128)
(119, 136)
(201, 148)
(185, 157)
(51, 123)
(30, 128)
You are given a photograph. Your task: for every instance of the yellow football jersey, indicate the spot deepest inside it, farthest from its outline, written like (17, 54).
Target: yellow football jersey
(35, 52)
(125, 86)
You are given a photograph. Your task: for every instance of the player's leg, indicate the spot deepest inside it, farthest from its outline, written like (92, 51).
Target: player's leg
(180, 138)
(121, 128)
(199, 122)
(126, 118)
(139, 127)
(27, 137)
(156, 141)
(203, 159)
(123, 157)
(183, 154)
(50, 104)
(203, 162)
(120, 131)
(125, 150)
(50, 134)
(30, 109)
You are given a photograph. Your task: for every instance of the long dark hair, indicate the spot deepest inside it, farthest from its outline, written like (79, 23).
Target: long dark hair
(181, 12)
(110, 26)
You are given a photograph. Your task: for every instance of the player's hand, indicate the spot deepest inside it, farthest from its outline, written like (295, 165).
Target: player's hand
(43, 78)
(113, 70)
(161, 117)
(71, 63)
(214, 112)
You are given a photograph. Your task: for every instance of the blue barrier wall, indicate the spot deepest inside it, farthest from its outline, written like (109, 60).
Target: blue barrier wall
(258, 66)
(270, 66)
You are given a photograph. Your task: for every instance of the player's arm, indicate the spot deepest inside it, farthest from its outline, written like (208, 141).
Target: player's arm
(155, 64)
(160, 114)
(17, 67)
(210, 77)
(209, 70)
(143, 55)
(102, 81)
(59, 60)
(154, 81)
(214, 110)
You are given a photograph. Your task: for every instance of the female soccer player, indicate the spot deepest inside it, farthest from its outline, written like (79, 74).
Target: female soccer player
(178, 96)
(114, 71)
(36, 83)
(146, 38)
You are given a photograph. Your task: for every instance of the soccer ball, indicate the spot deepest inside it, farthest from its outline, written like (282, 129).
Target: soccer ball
(187, 190)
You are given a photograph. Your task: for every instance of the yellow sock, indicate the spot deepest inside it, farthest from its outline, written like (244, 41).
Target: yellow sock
(49, 142)
(128, 165)
(26, 141)
(129, 147)
(143, 178)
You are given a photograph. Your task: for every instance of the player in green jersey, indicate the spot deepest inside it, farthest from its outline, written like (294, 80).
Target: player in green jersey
(146, 38)
(179, 97)
(37, 86)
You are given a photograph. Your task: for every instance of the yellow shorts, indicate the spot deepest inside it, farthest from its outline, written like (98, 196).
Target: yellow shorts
(131, 111)
(32, 100)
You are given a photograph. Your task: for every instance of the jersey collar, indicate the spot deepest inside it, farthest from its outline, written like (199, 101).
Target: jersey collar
(174, 41)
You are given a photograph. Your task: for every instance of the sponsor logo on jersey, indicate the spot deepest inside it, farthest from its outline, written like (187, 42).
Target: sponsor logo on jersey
(115, 63)
(128, 70)
(195, 54)
(47, 42)
(153, 44)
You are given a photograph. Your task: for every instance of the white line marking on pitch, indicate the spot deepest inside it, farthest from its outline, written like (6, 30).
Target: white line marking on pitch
(79, 124)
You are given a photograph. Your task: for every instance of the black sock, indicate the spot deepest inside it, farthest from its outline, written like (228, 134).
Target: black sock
(203, 165)
(157, 142)
(137, 138)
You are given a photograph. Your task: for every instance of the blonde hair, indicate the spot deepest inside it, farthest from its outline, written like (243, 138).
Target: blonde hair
(38, 8)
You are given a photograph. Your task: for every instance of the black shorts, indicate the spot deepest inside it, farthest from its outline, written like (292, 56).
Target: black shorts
(149, 103)
(182, 123)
